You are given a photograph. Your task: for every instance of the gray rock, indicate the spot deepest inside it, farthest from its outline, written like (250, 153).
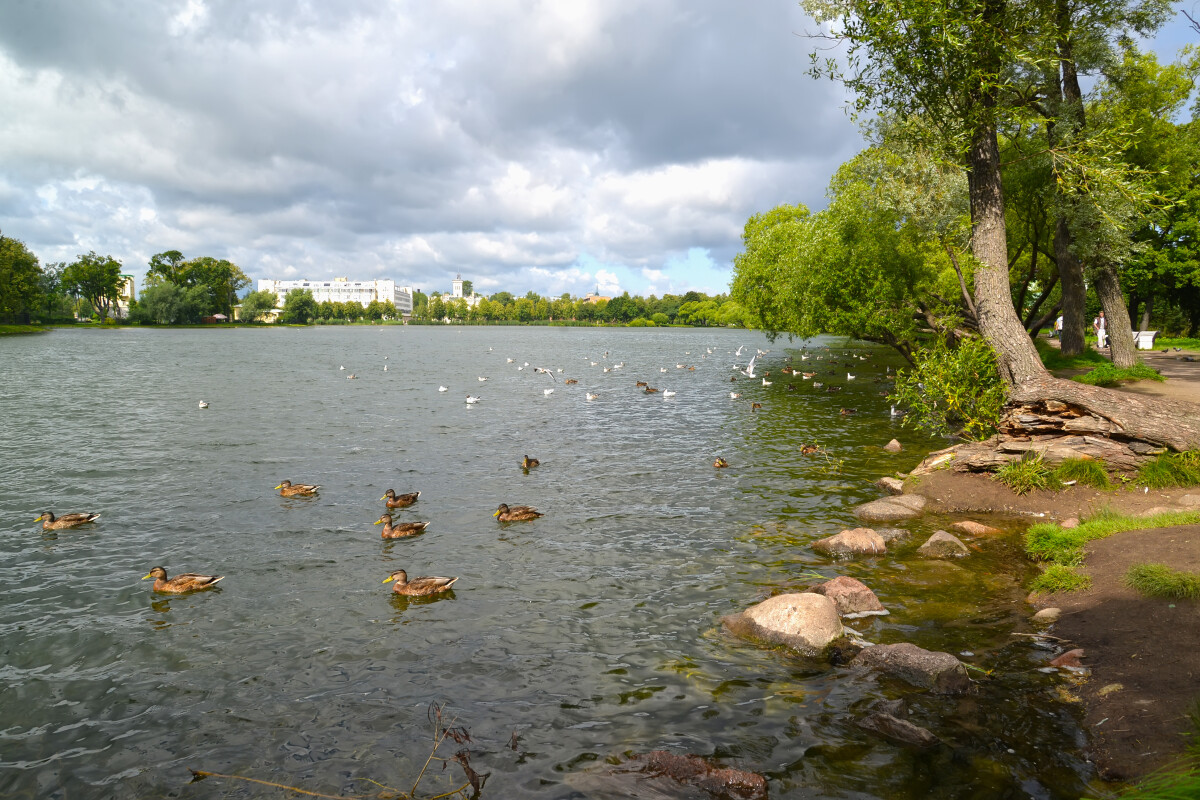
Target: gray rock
(1190, 500)
(886, 510)
(852, 542)
(893, 446)
(939, 672)
(891, 485)
(897, 730)
(852, 598)
(914, 501)
(802, 620)
(1047, 616)
(943, 545)
(1150, 512)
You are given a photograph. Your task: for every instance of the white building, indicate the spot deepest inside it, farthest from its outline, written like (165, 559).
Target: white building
(342, 290)
(456, 293)
(125, 296)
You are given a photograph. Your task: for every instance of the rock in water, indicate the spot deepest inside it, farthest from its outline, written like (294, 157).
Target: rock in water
(897, 730)
(939, 672)
(975, 528)
(735, 784)
(893, 446)
(891, 485)
(1047, 616)
(847, 543)
(943, 545)
(1069, 659)
(852, 598)
(890, 509)
(802, 620)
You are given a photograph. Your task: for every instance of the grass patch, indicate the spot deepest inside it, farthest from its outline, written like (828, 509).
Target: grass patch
(1047, 541)
(8, 330)
(1059, 578)
(1108, 375)
(1171, 469)
(1028, 474)
(1159, 580)
(1181, 342)
(1181, 782)
(1084, 471)
(1053, 358)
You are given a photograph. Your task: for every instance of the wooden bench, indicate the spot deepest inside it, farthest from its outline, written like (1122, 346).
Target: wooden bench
(1145, 339)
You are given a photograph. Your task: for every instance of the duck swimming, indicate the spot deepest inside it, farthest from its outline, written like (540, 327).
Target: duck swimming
(53, 523)
(289, 489)
(401, 530)
(400, 500)
(516, 513)
(187, 582)
(418, 587)
(529, 463)
(720, 463)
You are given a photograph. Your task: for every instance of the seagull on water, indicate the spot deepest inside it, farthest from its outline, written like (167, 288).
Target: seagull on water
(547, 392)
(766, 382)
(473, 400)
(203, 404)
(591, 396)
(443, 389)
(482, 379)
(668, 393)
(850, 377)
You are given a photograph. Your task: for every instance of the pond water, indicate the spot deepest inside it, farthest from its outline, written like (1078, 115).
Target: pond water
(590, 634)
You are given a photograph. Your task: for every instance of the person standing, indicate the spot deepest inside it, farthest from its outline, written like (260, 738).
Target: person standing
(1058, 327)
(1098, 327)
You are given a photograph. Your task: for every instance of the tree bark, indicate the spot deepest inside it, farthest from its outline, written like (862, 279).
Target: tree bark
(1145, 326)
(1070, 274)
(1120, 332)
(1016, 356)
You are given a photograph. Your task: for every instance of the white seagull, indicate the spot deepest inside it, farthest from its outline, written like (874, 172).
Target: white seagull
(591, 396)
(766, 382)
(472, 400)
(443, 389)
(849, 377)
(749, 370)
(547, 392)
(203, 404)
(482, 379)
(668, 393)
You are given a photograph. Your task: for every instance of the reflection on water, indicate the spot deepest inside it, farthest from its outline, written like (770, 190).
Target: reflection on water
(592, 632)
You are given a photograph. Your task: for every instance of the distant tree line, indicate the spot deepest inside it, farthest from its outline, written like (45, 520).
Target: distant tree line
(180, 291)
(30, 292)
(692, 308)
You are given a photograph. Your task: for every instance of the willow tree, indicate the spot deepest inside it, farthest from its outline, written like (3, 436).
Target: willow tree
(958, 65)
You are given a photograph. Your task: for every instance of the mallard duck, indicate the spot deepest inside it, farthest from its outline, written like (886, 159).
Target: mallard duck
(529, 463)
(651, 390)
(516, 513)
(289, 489)
(756, 406)
(809, 449)
(570, 381)
(53, 523)
(187, 582)
(720, 463)
(418, 587)
(400, 530)
(400, 500)
(640, 383)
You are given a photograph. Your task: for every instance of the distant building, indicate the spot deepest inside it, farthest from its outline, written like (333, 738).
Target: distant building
(124, 297)
(456, 292)
(590, 297)
(343, 290)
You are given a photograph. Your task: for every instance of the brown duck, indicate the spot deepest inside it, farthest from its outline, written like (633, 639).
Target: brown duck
(53, 523)
(400, 530)
(187, 582)
(418, 587)
(289, 489)
(529, 463)
(516, 513)
(400, 500)
(720, 463)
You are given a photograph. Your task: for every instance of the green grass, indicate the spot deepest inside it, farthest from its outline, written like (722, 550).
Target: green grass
(1184, 343)
(1027, 474)
(1084, 471)
(1159, 580)
(1108, 375)
(1170, 470)
(1053, 359)
(1057, 578)
(8, 330)
(1062, 548)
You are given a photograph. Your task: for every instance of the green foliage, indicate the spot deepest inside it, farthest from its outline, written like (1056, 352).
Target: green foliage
(20, 280)
(97, 279)
(641, 322)
(1059, 578)
(298, 307)
(1159, 580)
(660, 319)
(255, 306)
(952, 389)
(1108, 375)
(1171, 469)
(1049, 542)
(1084, 471)
(221, 278)
(1054, 359)
(1027, 474)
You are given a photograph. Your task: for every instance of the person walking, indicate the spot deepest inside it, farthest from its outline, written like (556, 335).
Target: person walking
(1098, 327)
(1058, 327)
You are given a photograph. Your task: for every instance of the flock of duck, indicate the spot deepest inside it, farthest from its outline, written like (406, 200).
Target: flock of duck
(430, 585)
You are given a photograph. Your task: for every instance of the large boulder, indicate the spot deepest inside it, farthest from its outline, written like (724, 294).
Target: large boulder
(802, 620)
(852, 598)
(852, 542)
(893, 446)
(891, 509)
(943, 545)
(939, 672)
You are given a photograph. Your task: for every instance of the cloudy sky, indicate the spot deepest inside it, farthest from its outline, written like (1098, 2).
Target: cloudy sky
(552, 145)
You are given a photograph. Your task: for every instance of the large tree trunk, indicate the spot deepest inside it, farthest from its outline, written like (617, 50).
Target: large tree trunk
(1070, 273)
(1120, 333)
(1149, 308)
(998, 321)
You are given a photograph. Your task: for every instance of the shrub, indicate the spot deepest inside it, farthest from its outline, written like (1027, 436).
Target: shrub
(641, 322)
(1108, 375)
(1027, 474)
(952, 390)
(1159, 580)
(1059, 578)
(1171, 469)
(1084, 471)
